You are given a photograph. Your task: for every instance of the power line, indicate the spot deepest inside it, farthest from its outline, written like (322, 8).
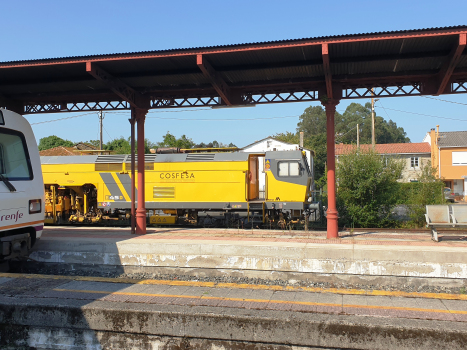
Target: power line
(228, 119)
(56, 120)
(438, 99)
(107, 132)
(341, 136)
(426, 115)
(384, 109)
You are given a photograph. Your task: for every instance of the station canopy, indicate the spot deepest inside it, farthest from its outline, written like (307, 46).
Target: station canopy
(398, 63)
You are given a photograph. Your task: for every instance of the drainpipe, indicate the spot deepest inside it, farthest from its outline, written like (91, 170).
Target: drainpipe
(439, 151)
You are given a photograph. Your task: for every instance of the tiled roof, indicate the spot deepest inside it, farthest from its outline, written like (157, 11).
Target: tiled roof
(60, 151)
(452, 139)
(85, 146)
(388, 148)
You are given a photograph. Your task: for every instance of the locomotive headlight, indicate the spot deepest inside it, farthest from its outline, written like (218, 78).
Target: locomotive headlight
(34, 206)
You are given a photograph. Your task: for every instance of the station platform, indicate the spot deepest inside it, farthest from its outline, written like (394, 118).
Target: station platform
(66, 312)
(263, 254)
(84, 312)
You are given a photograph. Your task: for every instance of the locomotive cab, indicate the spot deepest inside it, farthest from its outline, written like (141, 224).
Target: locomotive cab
(289, 178)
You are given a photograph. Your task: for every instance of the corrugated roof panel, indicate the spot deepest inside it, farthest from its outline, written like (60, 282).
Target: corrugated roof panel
(462, 62)
(294, 54)
(267, 43)
(167, 80)
(365, 48)
(428, 44)
(273, 74)
(149, 65)
(419, 64)
(59, 86)
(372, 57)
(362, 67)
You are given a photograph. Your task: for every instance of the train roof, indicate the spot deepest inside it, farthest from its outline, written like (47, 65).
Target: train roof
(168, 158)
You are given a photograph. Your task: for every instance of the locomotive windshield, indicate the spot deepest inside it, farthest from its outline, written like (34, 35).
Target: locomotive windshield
(289, 168)
(14, 157)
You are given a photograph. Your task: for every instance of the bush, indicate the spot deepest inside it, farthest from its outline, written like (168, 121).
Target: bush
(367, 188)
(416, 195)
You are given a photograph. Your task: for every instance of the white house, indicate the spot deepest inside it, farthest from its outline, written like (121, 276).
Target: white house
(271, 144)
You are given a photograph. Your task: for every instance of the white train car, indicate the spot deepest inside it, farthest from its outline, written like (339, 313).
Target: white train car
(21, 187)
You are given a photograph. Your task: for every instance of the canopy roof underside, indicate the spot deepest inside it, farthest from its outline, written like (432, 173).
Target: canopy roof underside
(413, 62)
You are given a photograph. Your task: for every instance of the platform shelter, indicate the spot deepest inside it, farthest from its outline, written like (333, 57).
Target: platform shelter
(325, 70)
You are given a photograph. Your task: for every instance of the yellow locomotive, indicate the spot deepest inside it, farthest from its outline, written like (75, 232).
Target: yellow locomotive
(208, 189)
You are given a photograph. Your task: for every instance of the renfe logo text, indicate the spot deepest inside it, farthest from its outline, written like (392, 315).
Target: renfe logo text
(12, 217)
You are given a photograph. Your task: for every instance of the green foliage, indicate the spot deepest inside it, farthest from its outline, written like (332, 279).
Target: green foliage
(367, 188)
(355, 113)
(313, 124)
(288, 136)
(53, 141)
(213, 144)
(170, 140)
(95, 143)
(119, 146)
(416, 195)
(123, 146)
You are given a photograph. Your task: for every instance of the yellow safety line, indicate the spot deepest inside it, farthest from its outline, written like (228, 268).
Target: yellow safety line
(376, 307)
(441, 296)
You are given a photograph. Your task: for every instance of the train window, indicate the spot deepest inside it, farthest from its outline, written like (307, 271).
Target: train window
(290, 168)
(2, 162)
(14, 158)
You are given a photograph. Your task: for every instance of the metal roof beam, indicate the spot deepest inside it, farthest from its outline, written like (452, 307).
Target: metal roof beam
(448, 67)
(134, 98)
(327, 70)
(11, 104)
(214, 78)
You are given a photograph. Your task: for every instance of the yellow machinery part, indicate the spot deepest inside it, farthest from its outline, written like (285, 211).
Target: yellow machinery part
(162, 220)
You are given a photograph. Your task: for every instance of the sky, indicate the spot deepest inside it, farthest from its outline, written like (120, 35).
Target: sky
(52, 28)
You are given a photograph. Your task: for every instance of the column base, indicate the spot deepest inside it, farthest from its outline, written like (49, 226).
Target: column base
(332, 224)
(140, 222)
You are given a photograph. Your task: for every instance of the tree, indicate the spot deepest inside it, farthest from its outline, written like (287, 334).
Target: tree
(123, 146)
(170, 140)
(119, 146)
(313, 121)
(355, 113)
(288, 137)
(313, 124)
(213, 144)
(95, 143)
(427, 190)
(53, 141)
(367, 188)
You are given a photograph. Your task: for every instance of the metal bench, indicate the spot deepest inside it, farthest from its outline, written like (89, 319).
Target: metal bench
(437, 216)
(459, 215)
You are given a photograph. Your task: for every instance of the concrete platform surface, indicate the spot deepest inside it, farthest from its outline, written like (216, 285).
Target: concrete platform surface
(102, 313)
(253, 253)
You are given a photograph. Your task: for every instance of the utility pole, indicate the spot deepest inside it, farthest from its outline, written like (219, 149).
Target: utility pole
(373, 142)
(358, 136)
(101, 118)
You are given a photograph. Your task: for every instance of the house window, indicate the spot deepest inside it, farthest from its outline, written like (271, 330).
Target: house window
(459, 158)
(414, 162)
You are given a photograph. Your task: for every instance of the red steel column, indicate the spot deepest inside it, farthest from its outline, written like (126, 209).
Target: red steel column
(332, 215)
(141, 211)
(132, 143)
